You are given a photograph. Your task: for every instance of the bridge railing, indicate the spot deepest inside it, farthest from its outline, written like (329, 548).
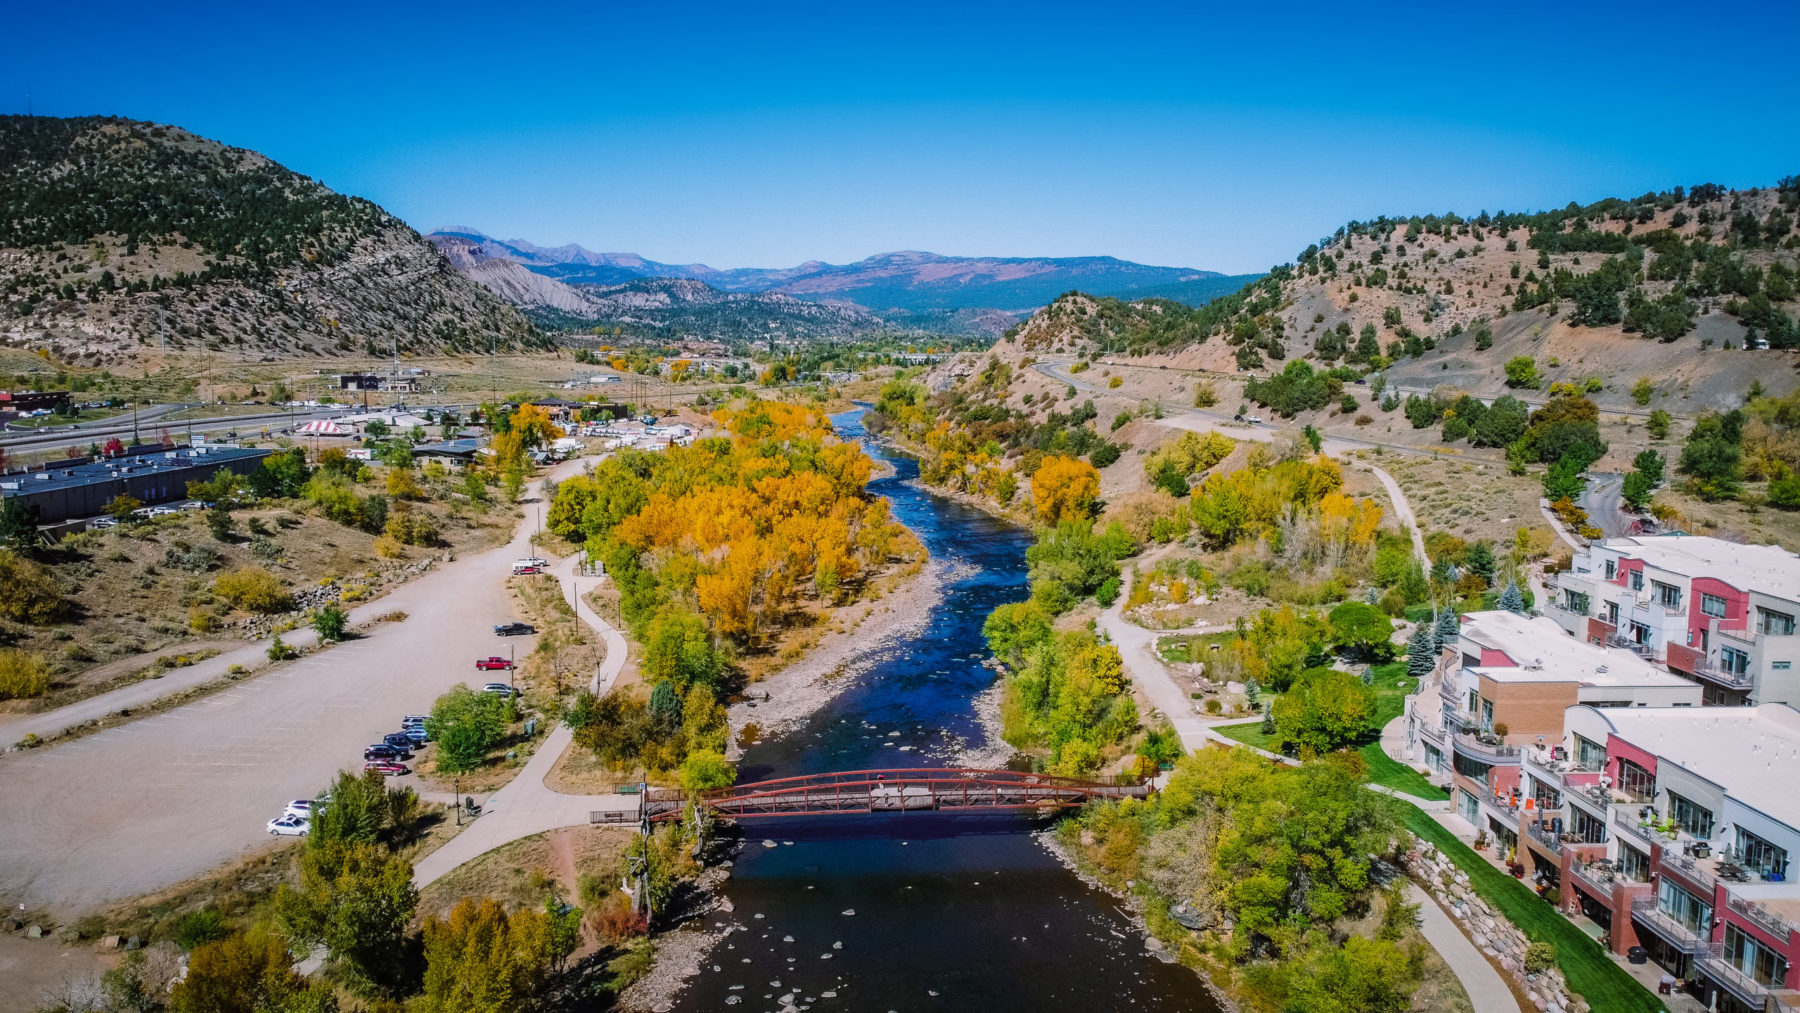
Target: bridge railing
(903, 789)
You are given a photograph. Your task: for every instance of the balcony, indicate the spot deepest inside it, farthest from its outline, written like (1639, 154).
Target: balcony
(1679, 935)
(1689, 869)
(1640, 836)
(1713, 963)
(1502, 806)
(1756, 914)
(1562, 607)
(1427, 730)
(1541, 834)
(1599, 877)
(1711, 672)
(1471, 745)
(1645, 651)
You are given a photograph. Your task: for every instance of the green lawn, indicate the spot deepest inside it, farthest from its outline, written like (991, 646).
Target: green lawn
(85, 415)
(1250, 734)
(1185, 647)
(1590, 971)
(1391, 773)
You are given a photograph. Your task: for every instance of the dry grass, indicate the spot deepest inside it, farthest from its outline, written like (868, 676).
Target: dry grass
(1470, 499)
(526, 872)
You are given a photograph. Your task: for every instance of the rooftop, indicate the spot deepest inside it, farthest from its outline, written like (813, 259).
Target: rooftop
(1547, 654)
(1770, 569)
(87, 471)
(1751, 752)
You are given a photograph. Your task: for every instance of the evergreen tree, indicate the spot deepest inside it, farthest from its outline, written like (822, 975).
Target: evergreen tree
(665, 704)
(1511, 600)
(1374, 596)
(1268, 721)
(1449, 627)
(1421, 652)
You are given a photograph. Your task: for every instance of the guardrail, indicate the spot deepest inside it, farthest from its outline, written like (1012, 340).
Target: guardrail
(1682, 937)
(1713, 673)
(1469, 745)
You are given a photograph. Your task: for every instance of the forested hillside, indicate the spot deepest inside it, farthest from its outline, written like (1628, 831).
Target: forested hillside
(1695, 288)
(116, 234)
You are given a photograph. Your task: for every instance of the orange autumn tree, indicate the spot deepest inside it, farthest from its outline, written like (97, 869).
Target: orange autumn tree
(743, 529)
(1064, 488)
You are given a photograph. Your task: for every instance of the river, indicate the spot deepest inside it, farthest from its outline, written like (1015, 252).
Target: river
(949, 913)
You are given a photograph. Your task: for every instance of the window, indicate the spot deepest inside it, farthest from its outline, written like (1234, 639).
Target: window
(1640, 634)
(1634, 865)
(1636, 782)
(1693, 817)
(1612, 569)
(1576, 602)
(1487, 715)
(1781, 666)
(1733, 661)
(1590, 828)
(1612, 613)
(1778, 624)
(1744, 953)
(1667, 595)
(1589, 755)
(1637, 580)
(1712, 605)
(1689, 911)
(1756, 853)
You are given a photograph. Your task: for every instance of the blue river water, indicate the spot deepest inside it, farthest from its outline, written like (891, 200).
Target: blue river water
(921, 912)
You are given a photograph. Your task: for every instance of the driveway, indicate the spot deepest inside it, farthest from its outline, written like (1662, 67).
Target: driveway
(146, 805)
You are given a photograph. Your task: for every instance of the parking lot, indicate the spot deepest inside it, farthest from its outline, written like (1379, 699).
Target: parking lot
(149, 804)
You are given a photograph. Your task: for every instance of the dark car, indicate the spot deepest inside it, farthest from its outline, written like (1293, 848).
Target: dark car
(399, 740)
(383, 751)
(415, 734)
(514, 629)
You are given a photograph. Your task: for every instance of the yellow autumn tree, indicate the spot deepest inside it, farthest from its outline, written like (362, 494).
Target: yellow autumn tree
(1064, 488)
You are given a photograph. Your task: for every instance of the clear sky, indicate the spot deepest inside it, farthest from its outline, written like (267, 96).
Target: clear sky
(765, 134)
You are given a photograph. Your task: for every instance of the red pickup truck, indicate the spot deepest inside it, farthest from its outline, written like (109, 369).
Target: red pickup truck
(495, 664)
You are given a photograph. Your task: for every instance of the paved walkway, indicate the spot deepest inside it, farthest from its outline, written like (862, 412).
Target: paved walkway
(527, 806)
(1487, 990)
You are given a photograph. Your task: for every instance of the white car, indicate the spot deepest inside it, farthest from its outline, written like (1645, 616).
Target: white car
(103, 522)
(537, 561)
(288, 826)
(500, 689)
(1255, 420)
(300, 808)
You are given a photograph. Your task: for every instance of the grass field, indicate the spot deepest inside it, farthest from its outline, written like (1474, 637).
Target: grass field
(1605, 986)
(85, 415)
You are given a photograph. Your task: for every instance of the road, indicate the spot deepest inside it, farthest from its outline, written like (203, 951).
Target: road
(1604, 500)
(148, 804)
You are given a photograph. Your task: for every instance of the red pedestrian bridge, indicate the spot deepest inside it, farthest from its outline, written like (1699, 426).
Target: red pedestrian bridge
(915, 789)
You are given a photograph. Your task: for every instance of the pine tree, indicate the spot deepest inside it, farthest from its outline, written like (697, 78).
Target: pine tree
(1374, 596)
(1449, 626)
(1268, 722)
(1421, 652)
(1511, 600)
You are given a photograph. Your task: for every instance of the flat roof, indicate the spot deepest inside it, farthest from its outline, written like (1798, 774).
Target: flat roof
(1770, 569)
(1751, 752)
(1545, 653)
(88, 472)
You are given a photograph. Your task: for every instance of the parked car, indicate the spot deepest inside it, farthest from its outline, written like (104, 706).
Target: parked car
(400, 741)
(412, 719)
(383, 751)
(288, 826)
(514, 630)
(493, 664)
(392, 768)
(1255, 420)
(522, 566)
(538, 561)
(500, 688)
(103, 522)
(415, 734)
(301, 808)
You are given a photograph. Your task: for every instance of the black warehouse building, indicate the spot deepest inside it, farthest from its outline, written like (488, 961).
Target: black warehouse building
(63, 492)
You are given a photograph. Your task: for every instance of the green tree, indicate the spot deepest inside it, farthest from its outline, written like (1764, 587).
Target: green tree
(1712, 457)
(1366, 975)
(1363, 629)
(122, 506)
(251, 973)
(1449, 625)
(483, 960)
(1566, 479)
(1503, 422)
(1658, 424)
(357, 900)
(1642, 391)
(466, 724)
(678, 648)
(1511, 599)
(1324, 710)
(363, 809)
(1421, 651)
(1651, 464)
(705, 770)
(18, 528)
(665, 705)
(1521, 371)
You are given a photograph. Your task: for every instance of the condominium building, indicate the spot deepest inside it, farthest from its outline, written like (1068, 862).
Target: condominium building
(1720, 613)
(1674, 829)
(1504, 684)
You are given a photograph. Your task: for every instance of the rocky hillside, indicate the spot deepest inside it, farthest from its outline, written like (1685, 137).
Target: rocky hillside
(117, 235)
(922, 290)
(1693, 288)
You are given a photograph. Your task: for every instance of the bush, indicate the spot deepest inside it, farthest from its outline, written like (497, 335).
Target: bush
(29, 592)
(329, 622)
(254, 589)
(411, 527)
(22, 675)
(1540, 957)
(280, 650)
(197, 928)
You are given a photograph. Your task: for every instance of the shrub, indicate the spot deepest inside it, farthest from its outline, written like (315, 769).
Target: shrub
(411, 527)
(1540, 957)
(281, 650)
(22, 675)
(253, 589)
(329, 622)
(29, 592)
(388, 547)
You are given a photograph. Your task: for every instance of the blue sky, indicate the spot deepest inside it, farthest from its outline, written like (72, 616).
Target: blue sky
(767, 134)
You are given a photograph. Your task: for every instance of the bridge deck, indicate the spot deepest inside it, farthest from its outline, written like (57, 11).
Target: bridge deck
(893, 790)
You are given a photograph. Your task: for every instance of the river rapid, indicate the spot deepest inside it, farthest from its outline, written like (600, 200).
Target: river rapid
(924, 911)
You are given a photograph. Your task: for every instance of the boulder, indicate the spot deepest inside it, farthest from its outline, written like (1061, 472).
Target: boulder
(34, 931)
(1189, 917)
(111, 942)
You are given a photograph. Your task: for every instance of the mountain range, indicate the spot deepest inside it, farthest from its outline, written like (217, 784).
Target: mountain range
(907, 288)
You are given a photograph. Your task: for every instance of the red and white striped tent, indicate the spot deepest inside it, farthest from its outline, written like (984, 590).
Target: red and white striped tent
(323, 427)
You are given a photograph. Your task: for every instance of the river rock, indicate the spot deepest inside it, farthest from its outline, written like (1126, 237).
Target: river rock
(787, 939)
(838, 945)
(1153, 944)
(1190, 917)
(770, 844)
(848, 912)
(35, 931)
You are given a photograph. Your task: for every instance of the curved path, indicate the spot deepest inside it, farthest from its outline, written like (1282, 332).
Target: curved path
(1487, 990)
(527, 806)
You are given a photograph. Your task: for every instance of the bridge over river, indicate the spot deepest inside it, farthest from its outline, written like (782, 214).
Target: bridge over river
(915, 789)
